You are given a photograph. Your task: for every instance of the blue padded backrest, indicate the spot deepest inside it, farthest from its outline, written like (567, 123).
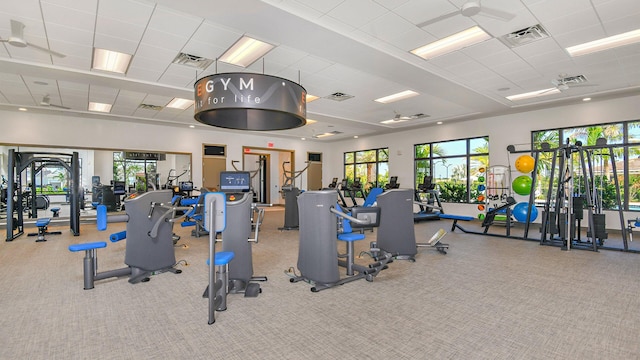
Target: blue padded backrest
(371, 198)
(346, 224)
(101, 217)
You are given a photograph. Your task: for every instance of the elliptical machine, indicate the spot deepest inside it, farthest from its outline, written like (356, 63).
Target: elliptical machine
(290, 194)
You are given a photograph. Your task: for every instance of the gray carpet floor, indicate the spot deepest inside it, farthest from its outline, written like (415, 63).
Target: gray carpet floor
(488, 298)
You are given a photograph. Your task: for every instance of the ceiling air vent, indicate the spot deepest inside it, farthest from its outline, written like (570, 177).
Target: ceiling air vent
(150, 107)
(192, 61)
(524, 36)
(338, 96)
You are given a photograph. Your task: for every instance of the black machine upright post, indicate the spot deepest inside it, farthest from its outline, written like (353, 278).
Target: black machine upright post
(74, 171)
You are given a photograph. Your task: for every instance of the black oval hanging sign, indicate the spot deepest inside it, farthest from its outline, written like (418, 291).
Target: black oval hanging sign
(246, 101)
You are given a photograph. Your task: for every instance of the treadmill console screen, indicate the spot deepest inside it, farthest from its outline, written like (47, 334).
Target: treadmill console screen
(235, 181)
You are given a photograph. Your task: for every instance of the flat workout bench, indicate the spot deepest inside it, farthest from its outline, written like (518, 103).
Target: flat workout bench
(455, 219)
(42, 224)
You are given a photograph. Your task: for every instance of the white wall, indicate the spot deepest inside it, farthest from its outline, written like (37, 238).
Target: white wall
(68, 131)
(502, 131)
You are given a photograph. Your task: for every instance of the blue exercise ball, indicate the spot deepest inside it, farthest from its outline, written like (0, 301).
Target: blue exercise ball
(519, 212)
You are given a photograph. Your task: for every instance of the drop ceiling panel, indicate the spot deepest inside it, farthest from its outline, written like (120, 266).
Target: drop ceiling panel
(388, 27)
(127, 11)
(164, 40)
(418, 11)
(324, 6)
(179, 23)
(118, 31)
(357, 13)
(59, 16)
(610, 11)
(552, 9)
(87, 6)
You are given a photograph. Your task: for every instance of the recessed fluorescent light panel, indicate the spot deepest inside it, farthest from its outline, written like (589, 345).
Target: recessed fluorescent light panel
(311, 98)
(310, 121)
(112, 61)
(396, 97)
(245, 52)
(452, 43)
(180, 103)
(607, 43)
(533, 94)
(99, 107)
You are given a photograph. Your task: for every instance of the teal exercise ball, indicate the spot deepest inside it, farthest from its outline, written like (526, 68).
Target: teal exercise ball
(522, 185)
(519, 212)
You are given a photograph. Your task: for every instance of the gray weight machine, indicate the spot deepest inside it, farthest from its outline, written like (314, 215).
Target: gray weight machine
(318, 258)
(236, 236)
(396, 234)
(19, 162)
(150, 249)
(564, 211)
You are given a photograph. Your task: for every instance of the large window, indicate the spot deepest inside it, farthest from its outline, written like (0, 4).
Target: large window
(626, 156)
(370, 166)
(137, 170)
(453, 165)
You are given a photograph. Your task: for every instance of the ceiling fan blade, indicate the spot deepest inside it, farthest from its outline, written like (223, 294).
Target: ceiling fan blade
(496, 14)
(439, 18)
(59, 106)
(17, 29)
(54, 53)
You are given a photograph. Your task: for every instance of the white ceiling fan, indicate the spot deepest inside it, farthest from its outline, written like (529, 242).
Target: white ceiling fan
(398, 118)
(46, 101)
(472, 8)
(564, 82)
(17, 39)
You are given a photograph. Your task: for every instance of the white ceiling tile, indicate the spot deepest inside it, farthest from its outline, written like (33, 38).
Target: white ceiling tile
(175, 22)
(622, 25)
(83, 20)
(216, 35)
(60, 33)
(126, 11)
(107, 42)
(388, 27)
(552, 9)
(285, 55)
(419, 11)
(356, 13)
(485, 48)
(613, 10)
(311, 64)
(580, 36)
(321, 6)
(164, 40)
(449, 26)
(574, 21)
(144, 74)
(391, 4)
(413, 39)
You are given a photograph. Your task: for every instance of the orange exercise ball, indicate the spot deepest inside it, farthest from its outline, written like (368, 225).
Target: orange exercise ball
(525, 164)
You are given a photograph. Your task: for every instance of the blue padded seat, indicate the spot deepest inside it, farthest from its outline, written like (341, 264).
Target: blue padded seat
(456, 217)
(351, 236)
(222, 258)
(87, 246)
(55, 211)
(43, 222)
